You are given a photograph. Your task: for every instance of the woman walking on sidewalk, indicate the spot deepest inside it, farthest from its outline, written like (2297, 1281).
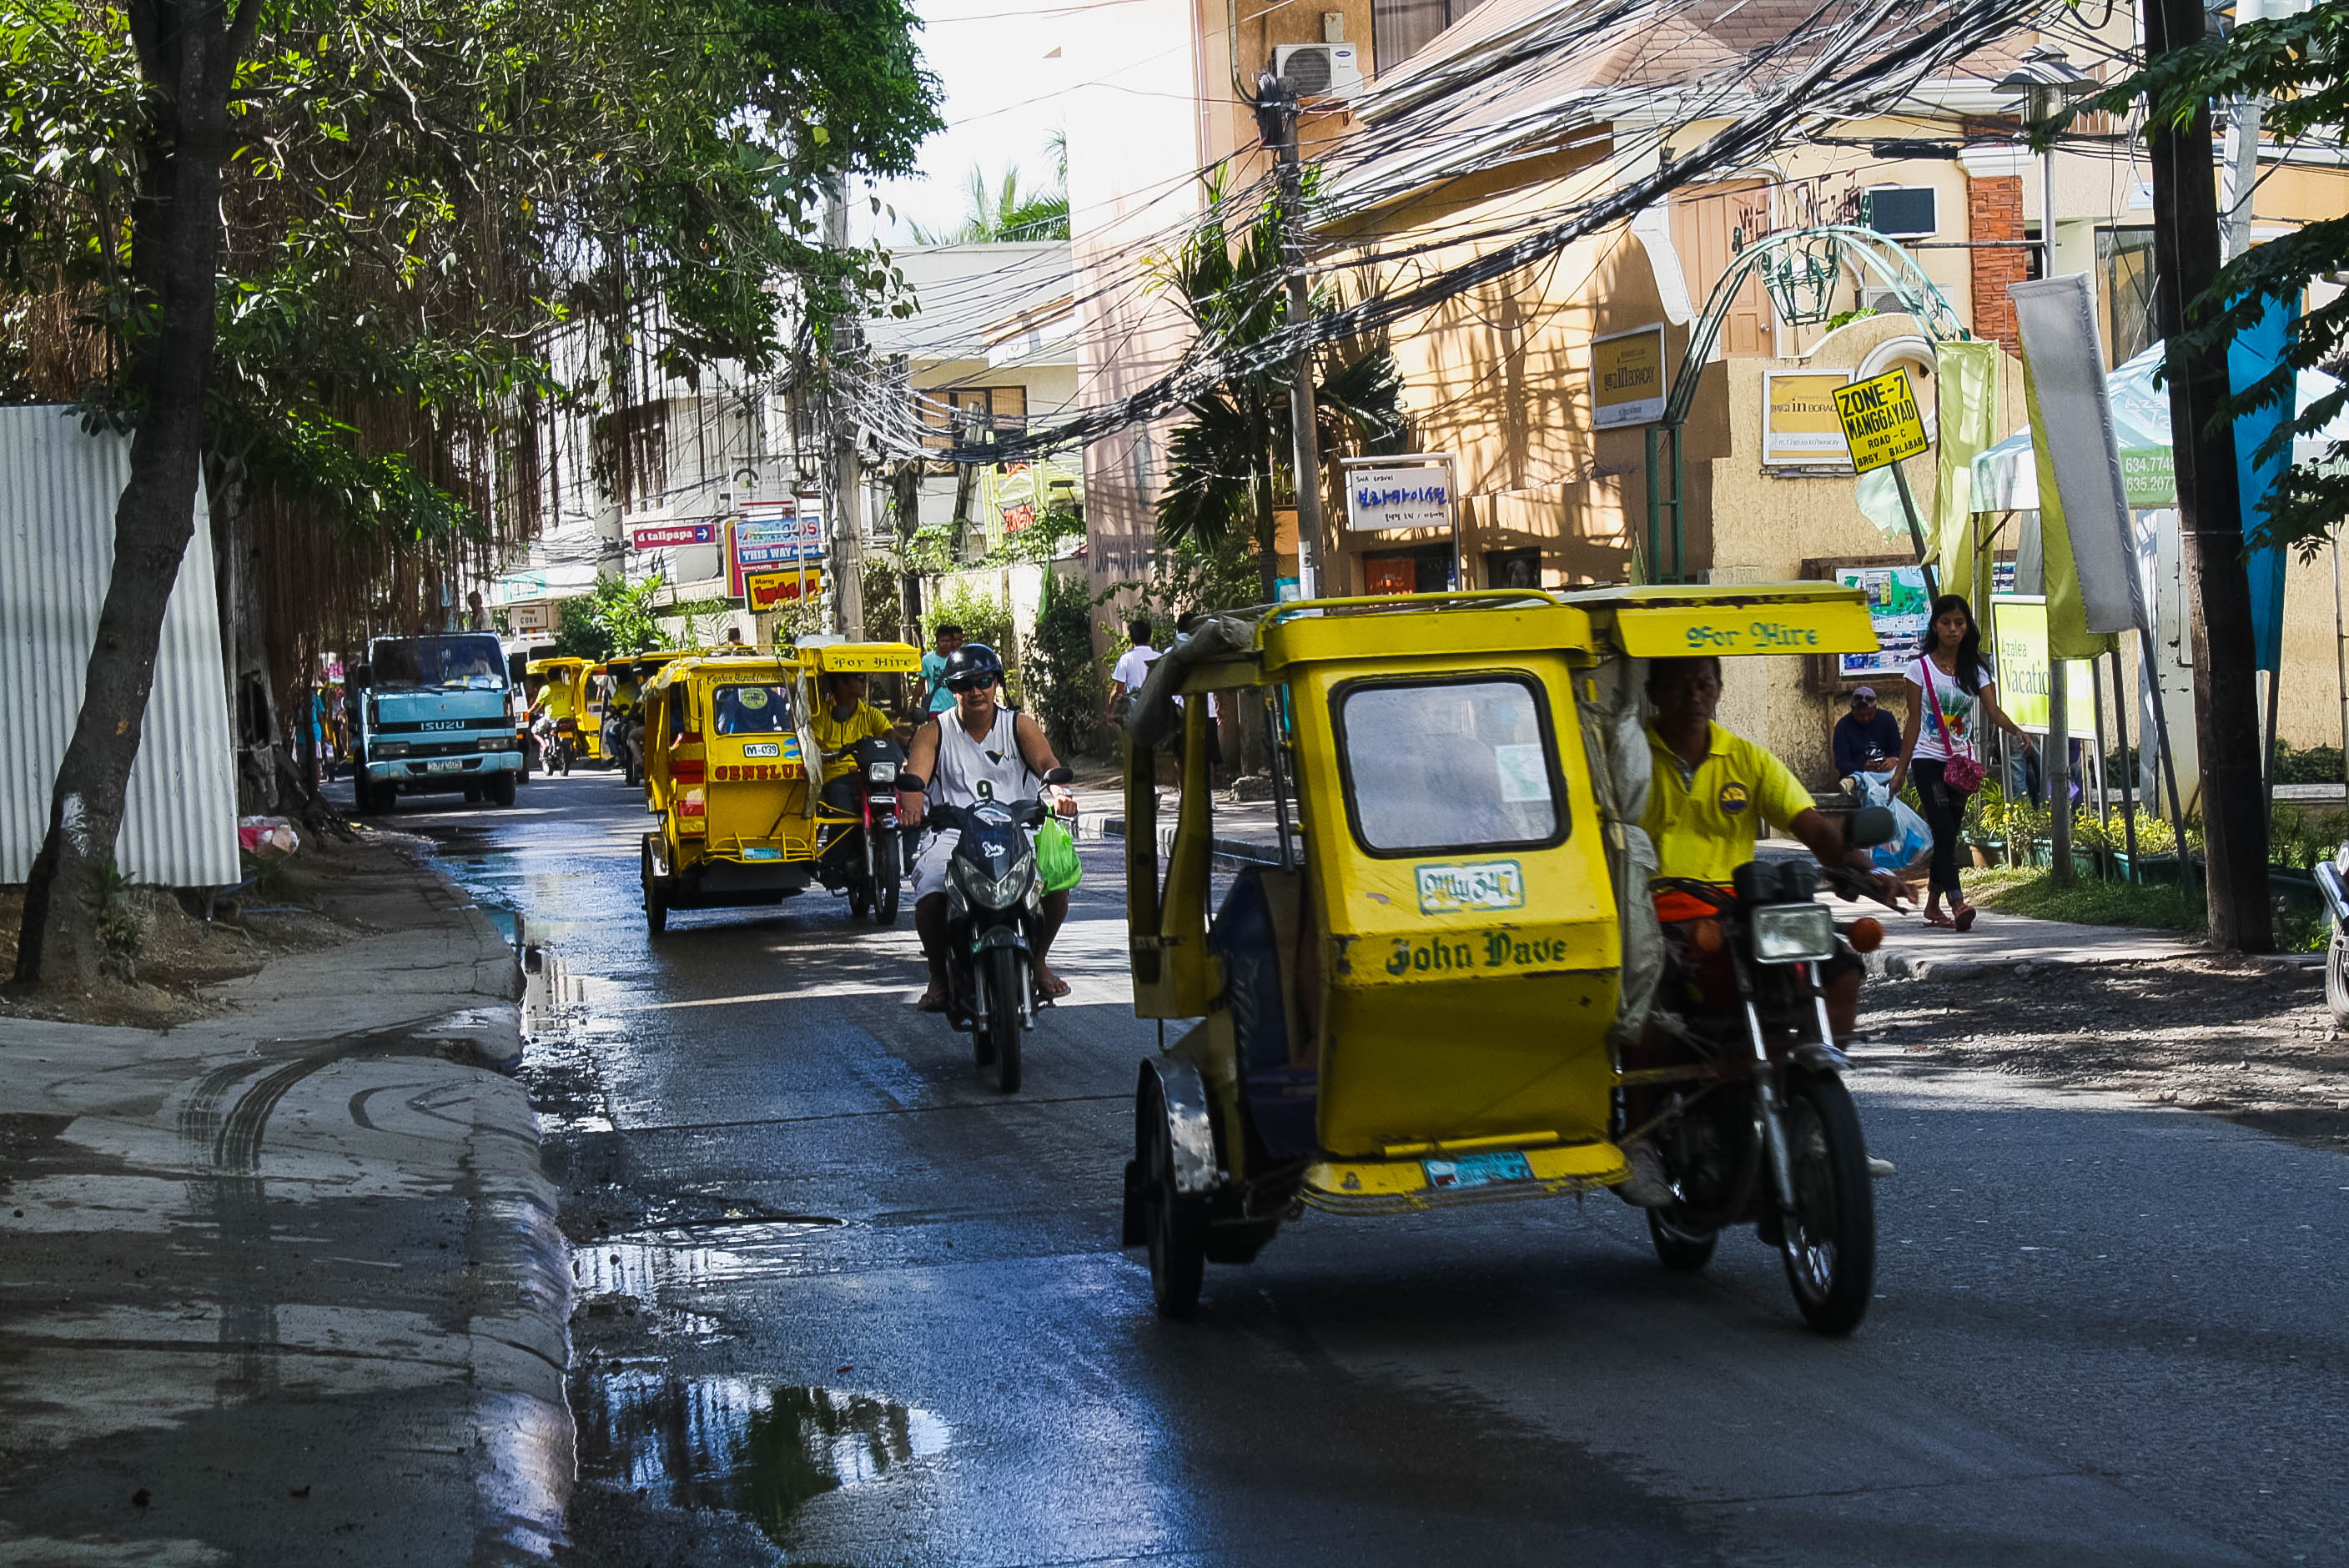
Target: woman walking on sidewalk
(1952, 690)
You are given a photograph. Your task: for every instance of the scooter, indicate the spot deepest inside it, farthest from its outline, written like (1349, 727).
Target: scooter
(995, 896)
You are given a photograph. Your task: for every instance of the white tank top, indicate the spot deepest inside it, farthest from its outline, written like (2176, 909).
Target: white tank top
(970, 771)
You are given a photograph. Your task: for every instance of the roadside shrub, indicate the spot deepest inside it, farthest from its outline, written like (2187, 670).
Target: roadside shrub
(1063, 679)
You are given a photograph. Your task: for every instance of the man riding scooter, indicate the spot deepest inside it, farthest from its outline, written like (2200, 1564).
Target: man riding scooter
(977, 750)
(843, 720)
(1710, 793)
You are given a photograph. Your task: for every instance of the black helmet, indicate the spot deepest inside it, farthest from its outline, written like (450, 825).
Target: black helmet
(971, 664)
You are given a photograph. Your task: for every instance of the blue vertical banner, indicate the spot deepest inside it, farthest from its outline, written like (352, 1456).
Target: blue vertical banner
(2252, 355)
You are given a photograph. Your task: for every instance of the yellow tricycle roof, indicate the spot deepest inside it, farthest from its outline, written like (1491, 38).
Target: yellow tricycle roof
(1675, 620)
(549, 666)
(861, 658)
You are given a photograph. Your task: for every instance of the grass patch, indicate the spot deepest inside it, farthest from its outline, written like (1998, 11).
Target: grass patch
(2090, 903)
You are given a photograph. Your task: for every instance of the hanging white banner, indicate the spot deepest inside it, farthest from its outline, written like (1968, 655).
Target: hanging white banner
(2057, 319)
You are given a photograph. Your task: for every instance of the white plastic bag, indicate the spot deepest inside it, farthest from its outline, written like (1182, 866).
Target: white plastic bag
(1913, 837)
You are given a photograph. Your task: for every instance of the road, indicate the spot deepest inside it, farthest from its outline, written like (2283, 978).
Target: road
(843, 1303)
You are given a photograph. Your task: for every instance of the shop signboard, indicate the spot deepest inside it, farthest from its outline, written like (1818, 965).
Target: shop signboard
(1403, 495)
(1627, 377)
(1800, 429)
(662, 535)
(773, 590)
(2019, 631)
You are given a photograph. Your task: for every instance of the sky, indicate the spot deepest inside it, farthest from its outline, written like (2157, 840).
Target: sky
(997, 61)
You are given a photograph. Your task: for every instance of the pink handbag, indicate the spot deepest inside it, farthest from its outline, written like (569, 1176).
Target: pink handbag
(1961, 773)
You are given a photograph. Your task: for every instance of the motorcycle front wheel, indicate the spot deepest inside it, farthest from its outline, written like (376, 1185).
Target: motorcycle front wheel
(1829, 1246)
(886, 885)
(1007, 980)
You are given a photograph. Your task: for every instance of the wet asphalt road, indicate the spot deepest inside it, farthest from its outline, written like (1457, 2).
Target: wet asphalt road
(845, 1304)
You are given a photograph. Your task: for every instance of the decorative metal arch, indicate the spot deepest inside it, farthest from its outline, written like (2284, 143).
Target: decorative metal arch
(1787, 261)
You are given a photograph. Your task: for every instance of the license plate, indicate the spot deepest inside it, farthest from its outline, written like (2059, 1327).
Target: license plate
(448, 767)
(763, 749)
(762, 854)
(1477, 1170)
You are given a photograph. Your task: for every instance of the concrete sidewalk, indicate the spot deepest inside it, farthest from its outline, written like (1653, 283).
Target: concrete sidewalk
(1245, 835)
(284, 1285)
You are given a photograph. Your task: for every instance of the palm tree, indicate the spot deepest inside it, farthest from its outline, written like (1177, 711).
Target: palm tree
(1006, 212)
(1228, 465)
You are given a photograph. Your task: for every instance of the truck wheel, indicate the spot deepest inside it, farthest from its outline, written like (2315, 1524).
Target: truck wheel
(501, 789)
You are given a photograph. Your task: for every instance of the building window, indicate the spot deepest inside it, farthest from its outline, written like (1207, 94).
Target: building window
(2125, 269)
(969, 416)
(1401, 28)
(1899, 211)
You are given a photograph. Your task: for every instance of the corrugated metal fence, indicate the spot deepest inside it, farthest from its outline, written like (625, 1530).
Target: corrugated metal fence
(57, 493)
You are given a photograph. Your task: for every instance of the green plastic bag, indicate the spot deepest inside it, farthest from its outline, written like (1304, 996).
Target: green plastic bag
(1056, 857)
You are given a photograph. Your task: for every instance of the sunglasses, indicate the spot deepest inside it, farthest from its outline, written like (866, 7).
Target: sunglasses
(969, 682)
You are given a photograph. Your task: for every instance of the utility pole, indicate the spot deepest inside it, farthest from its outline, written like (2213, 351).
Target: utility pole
(2210, 505)
(1275, 119)
(846, 512)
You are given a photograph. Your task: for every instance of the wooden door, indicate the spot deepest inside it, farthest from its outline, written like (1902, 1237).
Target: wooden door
(1707, 226)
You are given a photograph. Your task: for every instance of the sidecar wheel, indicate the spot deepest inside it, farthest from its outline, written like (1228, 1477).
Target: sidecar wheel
(1678, 1250)
(1830, 1246)
(1173, 1222)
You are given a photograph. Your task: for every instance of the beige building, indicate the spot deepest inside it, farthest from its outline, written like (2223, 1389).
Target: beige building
(1503, 377)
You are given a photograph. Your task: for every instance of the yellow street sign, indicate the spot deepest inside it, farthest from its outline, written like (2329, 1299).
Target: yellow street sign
(1881, 421)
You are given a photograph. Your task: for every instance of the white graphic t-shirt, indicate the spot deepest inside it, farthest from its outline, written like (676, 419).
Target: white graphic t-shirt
(1957, 708)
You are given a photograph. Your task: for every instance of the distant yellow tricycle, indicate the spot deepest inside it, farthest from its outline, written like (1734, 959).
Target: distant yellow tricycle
(1424, 1000)
(726, 747)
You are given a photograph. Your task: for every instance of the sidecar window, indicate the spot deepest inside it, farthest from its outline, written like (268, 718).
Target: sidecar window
(1461, 763)
(752, 710)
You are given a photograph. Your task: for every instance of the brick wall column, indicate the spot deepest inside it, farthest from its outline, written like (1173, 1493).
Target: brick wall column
(1995, 211)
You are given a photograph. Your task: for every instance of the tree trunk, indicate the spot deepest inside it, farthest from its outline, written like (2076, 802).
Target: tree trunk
(2218, 592)
(186, 58)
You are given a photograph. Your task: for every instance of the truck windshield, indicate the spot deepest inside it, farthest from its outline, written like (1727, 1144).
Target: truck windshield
(471, 663)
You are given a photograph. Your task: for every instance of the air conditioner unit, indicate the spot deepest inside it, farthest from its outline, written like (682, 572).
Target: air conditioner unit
(1884, 301)
(1319, 70)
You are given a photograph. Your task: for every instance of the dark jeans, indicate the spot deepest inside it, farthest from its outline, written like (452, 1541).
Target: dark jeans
(1944, 811)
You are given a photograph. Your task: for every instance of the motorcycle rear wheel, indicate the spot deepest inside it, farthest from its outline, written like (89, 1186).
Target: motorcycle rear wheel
(1830, 1246)
(1007, 978)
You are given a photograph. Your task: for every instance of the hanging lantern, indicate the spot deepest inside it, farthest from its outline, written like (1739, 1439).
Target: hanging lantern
(1800, 280)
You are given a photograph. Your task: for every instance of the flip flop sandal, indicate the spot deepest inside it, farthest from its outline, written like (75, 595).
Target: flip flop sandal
(1047, 995)
(930, 1004)
(1941, 921)
(1964, 920)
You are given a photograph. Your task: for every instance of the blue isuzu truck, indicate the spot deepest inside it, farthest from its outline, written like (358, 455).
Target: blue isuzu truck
(433, 713)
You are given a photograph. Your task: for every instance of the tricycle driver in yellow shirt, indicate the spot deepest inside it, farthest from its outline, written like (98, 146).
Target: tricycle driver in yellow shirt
(1711, 793)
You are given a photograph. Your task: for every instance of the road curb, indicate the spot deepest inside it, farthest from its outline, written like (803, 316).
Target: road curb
(519, 1335)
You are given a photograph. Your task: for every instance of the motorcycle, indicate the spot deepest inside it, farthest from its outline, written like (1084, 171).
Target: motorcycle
(995, 896)
(867, 856)
(1757, 1127)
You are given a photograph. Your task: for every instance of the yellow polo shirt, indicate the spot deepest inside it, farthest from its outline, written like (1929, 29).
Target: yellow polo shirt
(839, 734)
(1704, 820)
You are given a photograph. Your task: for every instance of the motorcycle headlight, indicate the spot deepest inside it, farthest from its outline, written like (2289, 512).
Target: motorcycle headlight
(995, 893)
(1793, 933)
(883, 773)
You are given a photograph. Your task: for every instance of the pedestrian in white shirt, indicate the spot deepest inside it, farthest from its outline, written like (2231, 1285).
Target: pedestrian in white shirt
(1132, 668)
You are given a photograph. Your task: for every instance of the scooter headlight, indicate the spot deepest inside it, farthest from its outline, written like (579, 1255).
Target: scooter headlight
(1793, 933)
(994, 893)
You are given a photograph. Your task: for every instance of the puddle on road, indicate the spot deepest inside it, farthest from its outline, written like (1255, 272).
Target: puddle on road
(735, 1444)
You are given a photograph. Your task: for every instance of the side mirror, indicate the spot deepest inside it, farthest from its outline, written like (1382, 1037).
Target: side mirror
(1059, 776)
(1870, 826)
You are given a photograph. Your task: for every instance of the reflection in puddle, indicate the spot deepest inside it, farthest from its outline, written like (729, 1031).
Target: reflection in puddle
(672, 1269)
(730, 1443)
